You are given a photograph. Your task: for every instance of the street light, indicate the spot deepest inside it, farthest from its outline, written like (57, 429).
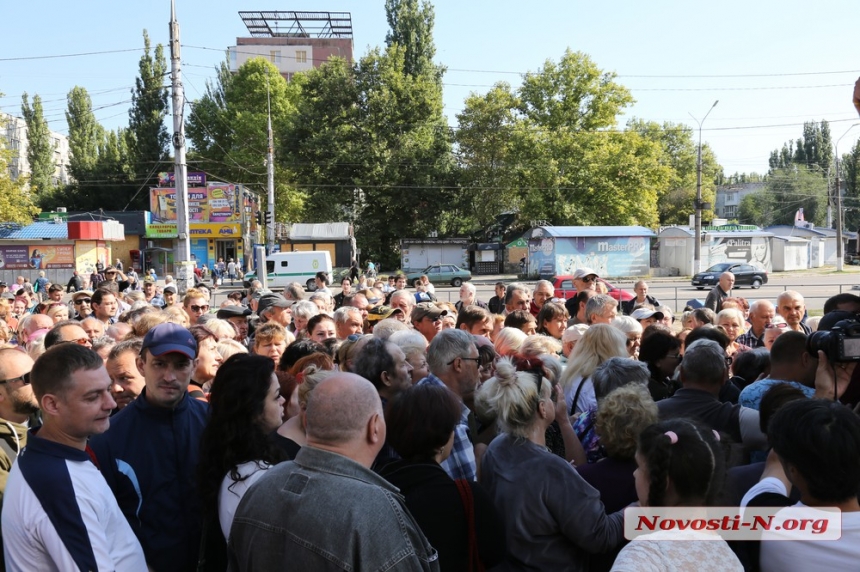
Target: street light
(697, 257)
(840, 254)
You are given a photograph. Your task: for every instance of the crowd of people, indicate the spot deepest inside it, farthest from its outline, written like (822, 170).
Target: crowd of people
(384, 429)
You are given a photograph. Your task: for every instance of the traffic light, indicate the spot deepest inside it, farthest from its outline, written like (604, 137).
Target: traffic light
(259, 218)
(268, 218)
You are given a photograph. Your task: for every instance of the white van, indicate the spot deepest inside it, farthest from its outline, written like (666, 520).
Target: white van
(284, 268)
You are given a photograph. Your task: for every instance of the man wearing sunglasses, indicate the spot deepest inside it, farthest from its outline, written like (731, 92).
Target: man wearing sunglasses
(67, 332)
(18, 408)
(82, 301)
(585, 279)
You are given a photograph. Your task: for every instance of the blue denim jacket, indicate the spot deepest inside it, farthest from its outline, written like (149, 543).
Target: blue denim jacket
(324, 511)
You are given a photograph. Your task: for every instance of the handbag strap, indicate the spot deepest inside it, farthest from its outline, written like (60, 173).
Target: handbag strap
(465, 490)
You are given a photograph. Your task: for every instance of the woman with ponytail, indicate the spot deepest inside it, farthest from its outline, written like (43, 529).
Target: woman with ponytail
(543, 500)
(679, 464)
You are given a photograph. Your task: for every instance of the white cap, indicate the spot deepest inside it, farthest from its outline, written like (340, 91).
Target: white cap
(574, 333)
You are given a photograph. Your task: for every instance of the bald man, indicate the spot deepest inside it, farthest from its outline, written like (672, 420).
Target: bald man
(326, 509)
(792, 307)
(720, 292)
(18, 409)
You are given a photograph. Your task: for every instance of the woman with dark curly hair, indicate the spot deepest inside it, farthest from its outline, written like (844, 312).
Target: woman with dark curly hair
(245, 407)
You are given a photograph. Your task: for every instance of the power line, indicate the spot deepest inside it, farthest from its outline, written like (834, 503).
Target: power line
(26, 58)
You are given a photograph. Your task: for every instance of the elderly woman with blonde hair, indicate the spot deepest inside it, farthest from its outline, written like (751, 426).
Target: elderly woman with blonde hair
(543, 500)
(599, 343)
(633, 330)
(509, 341)
(731, 322)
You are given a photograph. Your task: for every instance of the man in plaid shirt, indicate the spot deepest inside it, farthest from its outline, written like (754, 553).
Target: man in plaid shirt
(454, 363)
(762, 313)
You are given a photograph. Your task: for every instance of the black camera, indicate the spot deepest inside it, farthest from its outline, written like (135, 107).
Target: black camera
(840, 344)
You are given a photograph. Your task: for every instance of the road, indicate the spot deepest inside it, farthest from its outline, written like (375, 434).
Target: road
(815, 287)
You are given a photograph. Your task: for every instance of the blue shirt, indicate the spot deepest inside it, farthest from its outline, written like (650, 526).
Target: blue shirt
(751, 395)
(461, 463)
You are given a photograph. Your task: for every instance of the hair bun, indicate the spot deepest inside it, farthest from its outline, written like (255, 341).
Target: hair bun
(506, 372)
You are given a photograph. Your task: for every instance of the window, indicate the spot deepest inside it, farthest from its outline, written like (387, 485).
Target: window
(275, 57)
(270, 266)
(567, 285)
(433, 270)
(301, 56)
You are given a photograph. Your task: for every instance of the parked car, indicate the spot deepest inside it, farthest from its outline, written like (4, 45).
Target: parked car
(441, 274)
(565, 289)
(745, 275)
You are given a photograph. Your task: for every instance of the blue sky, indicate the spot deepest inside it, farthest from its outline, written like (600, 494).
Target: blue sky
(772, 56)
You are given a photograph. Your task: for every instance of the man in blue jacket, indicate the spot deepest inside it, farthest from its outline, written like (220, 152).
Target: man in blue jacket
(149, 455)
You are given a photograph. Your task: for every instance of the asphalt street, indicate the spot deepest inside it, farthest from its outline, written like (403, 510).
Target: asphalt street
(816, 286)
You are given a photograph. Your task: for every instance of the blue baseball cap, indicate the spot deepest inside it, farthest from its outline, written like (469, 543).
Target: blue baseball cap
(169, 337)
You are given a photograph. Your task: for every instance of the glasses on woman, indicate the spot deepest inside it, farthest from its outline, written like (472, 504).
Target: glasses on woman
(780, 326)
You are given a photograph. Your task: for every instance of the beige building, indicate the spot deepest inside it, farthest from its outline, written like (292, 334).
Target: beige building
(13, 133)
(293, 41)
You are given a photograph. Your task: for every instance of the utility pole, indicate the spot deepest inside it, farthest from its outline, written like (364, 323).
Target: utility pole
(697, 257)
(840, 253)
(184, 267)
(270, 176)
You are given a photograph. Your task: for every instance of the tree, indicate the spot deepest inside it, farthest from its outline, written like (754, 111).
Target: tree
(16, 204)
(411, 28)
(85, 133)
(787, 189)
(228, 128)
(40, 149)
(489, 129)
(680, 154)
(850, 172)
(147, 134)
(100, 163)
(369, 145)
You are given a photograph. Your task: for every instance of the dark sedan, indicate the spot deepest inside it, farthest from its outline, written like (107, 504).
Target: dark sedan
(745, 275)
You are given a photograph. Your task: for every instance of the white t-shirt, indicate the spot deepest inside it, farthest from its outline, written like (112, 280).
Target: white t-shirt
(232, 492)
(688, 550)
(780, 555)
(76, 495)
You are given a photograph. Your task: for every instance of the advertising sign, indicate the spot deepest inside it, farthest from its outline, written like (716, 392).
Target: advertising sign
(225, 202)
(218, 202)
(195, 179)
(37, 257)
(14, 257)
(199, 230)
(608, 256)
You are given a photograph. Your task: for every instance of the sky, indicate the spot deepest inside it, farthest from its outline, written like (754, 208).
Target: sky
(771, 65)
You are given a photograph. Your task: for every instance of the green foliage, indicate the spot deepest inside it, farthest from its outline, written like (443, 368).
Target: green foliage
(786, 190)
(40, 149)
(228, 128)
(850, 172)
(147, 134)
(16, 204)
(411, 28)
(680, 155)
(369, 145)
(549, 150)
(100, 163)
(85, 133)
(814, 150)
(487, 156)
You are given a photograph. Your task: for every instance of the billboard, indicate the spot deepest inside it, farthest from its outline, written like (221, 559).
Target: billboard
(608, 256)
(218, 202)
(194, 178)
(41, 257)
